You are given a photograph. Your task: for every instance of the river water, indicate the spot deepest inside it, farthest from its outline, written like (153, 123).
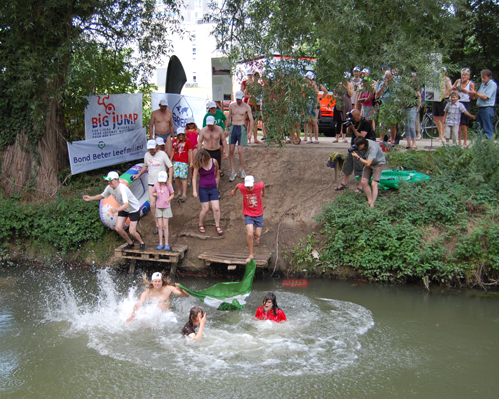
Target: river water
(63, 335)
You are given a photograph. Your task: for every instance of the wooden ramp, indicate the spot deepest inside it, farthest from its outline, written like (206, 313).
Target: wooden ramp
(174, 256)
(261, 260)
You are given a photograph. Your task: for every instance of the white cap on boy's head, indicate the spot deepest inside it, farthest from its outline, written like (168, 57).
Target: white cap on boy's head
(151, 144)
(163, 102)
(111, 176)
(210, 120)
(190, 119)
(212, 104)
(160, 141)
(310, 75)
(162, 176)
(157, 275)
(239, 95)
(249, 181)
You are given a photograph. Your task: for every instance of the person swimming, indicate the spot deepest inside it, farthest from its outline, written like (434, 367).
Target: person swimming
(197, 318)
(158, 291)
(270, 310)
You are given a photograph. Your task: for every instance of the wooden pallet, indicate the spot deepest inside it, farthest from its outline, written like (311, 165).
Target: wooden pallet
(174, 256)
(233, 258)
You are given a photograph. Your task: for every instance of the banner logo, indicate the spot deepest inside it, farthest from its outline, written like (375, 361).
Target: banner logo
(101, 145)
(181, 111)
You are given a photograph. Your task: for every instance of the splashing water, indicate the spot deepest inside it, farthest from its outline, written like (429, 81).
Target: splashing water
(321, 336)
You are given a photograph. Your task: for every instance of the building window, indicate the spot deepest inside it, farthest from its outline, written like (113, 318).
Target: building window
(194, 51)
(194, 78)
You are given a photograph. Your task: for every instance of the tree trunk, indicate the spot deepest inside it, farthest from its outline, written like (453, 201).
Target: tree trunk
(22, 169)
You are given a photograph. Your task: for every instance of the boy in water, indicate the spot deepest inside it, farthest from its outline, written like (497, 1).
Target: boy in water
(252, 210)
(158, 291)
(270, 310)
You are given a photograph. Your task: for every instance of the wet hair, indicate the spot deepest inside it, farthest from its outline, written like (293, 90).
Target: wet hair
(359, 140)
(149, 284)
(487, 72)
(270, 296)
(193, 314)
(202, 158)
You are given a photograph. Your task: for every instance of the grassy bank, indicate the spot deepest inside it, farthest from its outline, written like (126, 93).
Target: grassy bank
(443, 230)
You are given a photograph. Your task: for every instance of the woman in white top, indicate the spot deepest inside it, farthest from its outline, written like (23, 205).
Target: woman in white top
(463, 86)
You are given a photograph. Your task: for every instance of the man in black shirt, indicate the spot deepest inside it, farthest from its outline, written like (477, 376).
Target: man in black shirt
(360, 127)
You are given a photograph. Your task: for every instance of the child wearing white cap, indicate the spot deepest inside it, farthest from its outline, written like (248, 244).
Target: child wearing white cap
(182, 159)
(129, 208)
(163, 192)
(252, 210)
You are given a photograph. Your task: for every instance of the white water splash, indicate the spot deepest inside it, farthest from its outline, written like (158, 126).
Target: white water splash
(321, 336)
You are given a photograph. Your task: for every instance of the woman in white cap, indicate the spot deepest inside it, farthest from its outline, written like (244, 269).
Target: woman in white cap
(159, 291)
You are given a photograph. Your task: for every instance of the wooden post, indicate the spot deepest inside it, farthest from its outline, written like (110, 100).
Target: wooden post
(131, 269)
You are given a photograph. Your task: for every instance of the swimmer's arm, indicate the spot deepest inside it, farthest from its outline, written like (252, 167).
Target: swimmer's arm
(138, 305)
(179, 291)
(200, 140)
(88, 198)
(194, 182)
(151, 126)
(201, 328)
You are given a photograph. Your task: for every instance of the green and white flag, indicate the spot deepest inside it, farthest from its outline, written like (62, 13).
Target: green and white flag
(227, 296)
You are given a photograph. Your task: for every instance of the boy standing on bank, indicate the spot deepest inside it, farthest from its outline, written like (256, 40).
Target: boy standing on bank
(252, 210)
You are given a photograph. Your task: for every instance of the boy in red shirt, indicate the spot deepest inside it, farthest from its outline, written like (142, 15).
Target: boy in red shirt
(181, 159)
(252, 210)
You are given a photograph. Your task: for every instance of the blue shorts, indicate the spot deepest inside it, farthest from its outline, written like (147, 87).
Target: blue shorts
(238, 133)
(207, 194)
(257, 221)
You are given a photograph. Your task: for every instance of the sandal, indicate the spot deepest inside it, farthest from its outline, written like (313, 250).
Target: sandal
(340, 187)
(359, 191)
(219, 231)
(167, 248)
(335, 141)
(299, 141)
(201, 229)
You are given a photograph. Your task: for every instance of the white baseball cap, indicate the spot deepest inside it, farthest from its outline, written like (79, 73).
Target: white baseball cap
(239, 95)
(151, 144)
(157, 275)
(347, 75)
(249, 71)
(111, 176)
(212, 104)
(249, 181)
(310, 75)
(366, 70)
(160, 141)
(180, 130)
(190, 119)
(356, 68)
(163, 102)
(162, 177)
(210, 120)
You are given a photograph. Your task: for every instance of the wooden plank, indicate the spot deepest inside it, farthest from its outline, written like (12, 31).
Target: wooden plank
(233, 258)
(152, 255)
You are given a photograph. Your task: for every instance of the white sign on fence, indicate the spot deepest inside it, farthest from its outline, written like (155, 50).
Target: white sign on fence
(112, 114)
(182, 107)
(93, 154)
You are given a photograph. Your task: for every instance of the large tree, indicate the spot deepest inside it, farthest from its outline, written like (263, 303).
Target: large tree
(41, 41)
(410, 35)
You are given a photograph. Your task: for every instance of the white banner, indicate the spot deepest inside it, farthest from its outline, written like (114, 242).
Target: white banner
(221, 81)
(94, 154)
(112, 114)
(182, 107)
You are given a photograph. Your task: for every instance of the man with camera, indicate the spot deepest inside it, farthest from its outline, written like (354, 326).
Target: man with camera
(373, 162)
(358, 126)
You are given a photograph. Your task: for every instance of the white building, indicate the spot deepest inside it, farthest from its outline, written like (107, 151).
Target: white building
(195, 50)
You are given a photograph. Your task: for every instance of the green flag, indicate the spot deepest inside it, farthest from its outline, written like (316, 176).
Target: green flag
(227, 296)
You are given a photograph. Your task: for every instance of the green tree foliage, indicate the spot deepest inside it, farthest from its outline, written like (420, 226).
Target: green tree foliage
(53, 50)
(477, 44)
(340, 34)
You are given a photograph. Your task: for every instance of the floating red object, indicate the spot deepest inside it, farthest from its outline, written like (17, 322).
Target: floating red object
(295, 283)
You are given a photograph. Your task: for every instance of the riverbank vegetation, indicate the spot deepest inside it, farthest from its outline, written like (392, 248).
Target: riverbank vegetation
(443, 230)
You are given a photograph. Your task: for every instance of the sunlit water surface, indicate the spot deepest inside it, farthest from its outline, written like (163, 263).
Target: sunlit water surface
(63, 334)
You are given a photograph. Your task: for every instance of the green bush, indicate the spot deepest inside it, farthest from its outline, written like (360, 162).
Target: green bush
(445, 228)
(65, 223)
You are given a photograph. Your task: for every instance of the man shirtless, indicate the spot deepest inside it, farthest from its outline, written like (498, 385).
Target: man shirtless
(210, 138)
(161, 125)
(158, 292)
(238, 112)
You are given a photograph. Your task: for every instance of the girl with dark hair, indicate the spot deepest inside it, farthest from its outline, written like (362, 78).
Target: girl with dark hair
(270, 310)
(197, 318)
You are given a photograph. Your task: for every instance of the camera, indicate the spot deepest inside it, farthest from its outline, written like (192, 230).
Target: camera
(349, 120)
(353, 148)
